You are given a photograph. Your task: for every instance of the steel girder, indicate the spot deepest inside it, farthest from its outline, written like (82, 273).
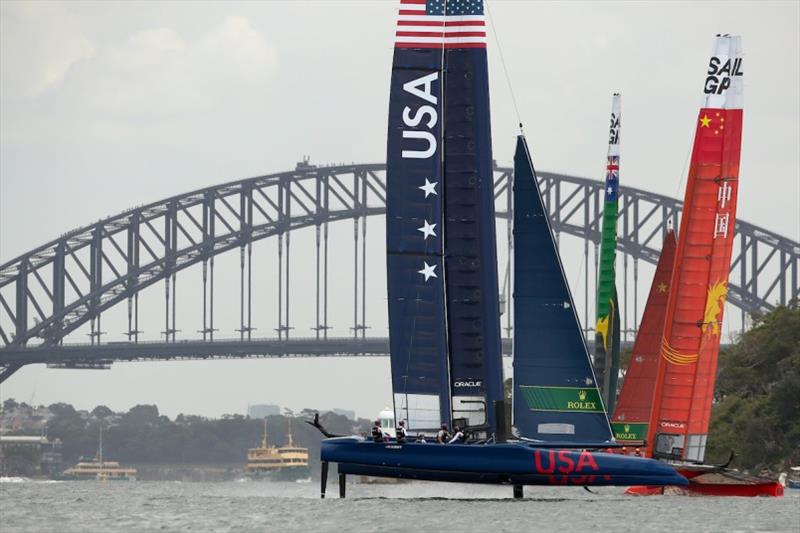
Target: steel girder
(102, 355)
(50, 291)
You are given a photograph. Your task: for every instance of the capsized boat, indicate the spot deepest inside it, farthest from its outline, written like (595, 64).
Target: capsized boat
(444, 324)
(683, 390)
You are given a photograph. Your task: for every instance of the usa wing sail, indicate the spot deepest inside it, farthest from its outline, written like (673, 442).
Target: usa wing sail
(443, 304)
(414, 237)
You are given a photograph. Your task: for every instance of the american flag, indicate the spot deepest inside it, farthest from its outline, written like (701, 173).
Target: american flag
(424, 24)
(612, 178)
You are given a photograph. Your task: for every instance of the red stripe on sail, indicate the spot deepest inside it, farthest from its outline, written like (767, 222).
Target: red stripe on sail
(412, 12)
(440, 34)
(454, 23)
(439, 45)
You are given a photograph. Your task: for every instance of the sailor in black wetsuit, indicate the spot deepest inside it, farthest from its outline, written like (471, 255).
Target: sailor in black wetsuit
(377, 432)
(400, 431)
(443, 436)
(458, 436)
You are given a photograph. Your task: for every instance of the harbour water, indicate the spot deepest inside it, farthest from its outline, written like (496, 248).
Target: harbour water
(40, 506)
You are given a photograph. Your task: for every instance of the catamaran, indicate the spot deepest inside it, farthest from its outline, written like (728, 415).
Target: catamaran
(444, 320)
(676, 427)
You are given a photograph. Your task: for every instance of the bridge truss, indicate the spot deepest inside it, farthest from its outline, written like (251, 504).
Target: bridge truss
(49, 292)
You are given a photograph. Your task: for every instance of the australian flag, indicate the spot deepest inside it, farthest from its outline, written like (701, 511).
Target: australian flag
(612, 178)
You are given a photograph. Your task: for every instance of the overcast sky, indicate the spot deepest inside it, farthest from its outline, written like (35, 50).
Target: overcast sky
(108, 105)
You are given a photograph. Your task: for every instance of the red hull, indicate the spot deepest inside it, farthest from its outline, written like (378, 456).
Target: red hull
(717, 483)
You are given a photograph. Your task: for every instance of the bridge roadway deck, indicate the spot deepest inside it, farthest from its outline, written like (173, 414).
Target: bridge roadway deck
(102, 355)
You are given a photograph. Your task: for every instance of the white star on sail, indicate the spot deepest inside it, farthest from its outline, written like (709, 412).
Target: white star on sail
(427, 230)
(429, 188)
(429, 271)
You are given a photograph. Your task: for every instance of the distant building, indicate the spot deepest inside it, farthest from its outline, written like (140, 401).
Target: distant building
(263, 410)
(24, 417)
(26, 455)
(350, 415)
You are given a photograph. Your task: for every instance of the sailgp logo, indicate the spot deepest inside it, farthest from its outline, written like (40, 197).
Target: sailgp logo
(613, 133)
(470, 383)
(720, 73)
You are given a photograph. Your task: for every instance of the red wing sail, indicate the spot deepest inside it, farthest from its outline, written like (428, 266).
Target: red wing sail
(632, 413)
(690, 345)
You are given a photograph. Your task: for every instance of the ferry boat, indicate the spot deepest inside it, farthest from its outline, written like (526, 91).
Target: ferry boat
(98, 469)
(288, 462)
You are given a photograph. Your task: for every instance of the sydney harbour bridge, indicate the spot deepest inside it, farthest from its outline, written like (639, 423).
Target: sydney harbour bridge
(50, 292)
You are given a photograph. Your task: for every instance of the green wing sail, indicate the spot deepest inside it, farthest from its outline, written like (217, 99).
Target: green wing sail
(606, 359)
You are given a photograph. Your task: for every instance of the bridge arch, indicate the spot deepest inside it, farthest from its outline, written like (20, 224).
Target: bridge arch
(88, 270)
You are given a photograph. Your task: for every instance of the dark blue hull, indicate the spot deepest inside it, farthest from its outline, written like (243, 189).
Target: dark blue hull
(513, 463)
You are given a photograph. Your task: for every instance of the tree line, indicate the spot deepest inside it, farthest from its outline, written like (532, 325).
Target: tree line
(756, 414)
(144, 436)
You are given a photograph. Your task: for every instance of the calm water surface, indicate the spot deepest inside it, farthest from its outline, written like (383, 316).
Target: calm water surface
(271, 506)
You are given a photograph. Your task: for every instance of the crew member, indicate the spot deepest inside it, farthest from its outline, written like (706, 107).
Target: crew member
(421, 439)
(400, 431)
(458, 436)
(443, 436)
(377, 432)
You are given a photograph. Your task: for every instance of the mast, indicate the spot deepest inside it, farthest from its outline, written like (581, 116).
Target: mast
(632, 412)
(291, 441)
(470, 259)
(606, 345)
(100, 449)
(556, 398)
(698, 289)
(264, 437)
